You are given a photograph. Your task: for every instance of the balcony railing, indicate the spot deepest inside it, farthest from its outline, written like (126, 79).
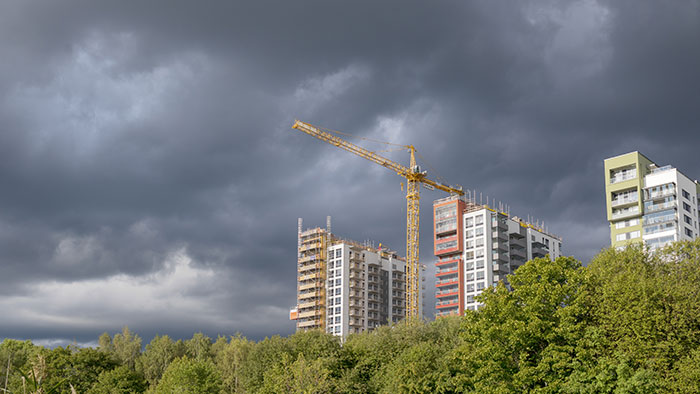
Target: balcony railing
(659, 207)
(448, 280)
(624, 176)
(624, 201)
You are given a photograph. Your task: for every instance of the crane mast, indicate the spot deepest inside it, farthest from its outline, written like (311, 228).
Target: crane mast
(414, 177)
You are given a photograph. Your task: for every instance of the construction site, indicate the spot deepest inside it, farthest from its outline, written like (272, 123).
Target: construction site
(346, 287)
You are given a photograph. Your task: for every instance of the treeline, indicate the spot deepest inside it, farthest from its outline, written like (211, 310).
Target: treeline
(629, 322)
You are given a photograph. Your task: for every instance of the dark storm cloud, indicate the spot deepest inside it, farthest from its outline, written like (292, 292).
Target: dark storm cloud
(146, 149)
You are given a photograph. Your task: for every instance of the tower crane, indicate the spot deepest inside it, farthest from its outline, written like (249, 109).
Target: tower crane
(414, 177)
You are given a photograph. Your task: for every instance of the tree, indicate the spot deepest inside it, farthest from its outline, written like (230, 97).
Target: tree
(300, 376)
(121, 380)
(199, 347)
(127, 347)
(189, 376)
(230, 358)
(525, 339)
(159, 353)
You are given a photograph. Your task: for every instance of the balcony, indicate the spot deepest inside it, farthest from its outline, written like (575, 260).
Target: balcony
(306, 259)
(312, 245)
(309, 267)
(447, 292)
(649, 208)
(312, 285)
(623, 176)
(307, 295)
(447, 303)
(308, 323)
(519, 252)
(624, 201)
(452, 269)
(449, 312)
(355, 284)
(448, 281)
(501, 245)
(310, 304)
(311, 313)
(315, 275)
(517, 241)
(500, 235)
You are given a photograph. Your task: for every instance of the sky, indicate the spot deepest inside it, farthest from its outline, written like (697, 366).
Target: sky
(150, 177)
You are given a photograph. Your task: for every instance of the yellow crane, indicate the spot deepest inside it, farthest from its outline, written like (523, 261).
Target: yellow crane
(414, 177)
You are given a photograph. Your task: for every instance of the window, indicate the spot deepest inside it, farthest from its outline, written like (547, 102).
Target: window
(689, 232)
(337, 310)
(480, 286)
(686, 195)
(470, 299)
(446, 225)
(479, 253)
(469, 234)
(469, 245)
(479, 220)
(480, 264)
(626, 223)
(479, 242)
(470, 287)
(470, 276)
(446, 245)
(470, 255)
(469, 266)
(337, 291)
(626, 236)
(337, 282)
(480, 275)
(687, 219)
(624, 197)
(686, 207)
(338, 252)
(623, 174)
(446, 211)
(469, 222)
(479, 231)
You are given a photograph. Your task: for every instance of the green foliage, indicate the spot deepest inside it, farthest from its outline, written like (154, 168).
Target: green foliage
(127, 347)
(199, 347)
(189, 376)
(16, 355)
(69, 366)
(230, 358)
(121, 380)
(627, 323)
(159, 353)
(300, 376)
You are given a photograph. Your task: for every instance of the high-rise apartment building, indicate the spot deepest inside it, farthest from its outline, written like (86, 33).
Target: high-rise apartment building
(345, 287)
(647, 203)
(476, 247)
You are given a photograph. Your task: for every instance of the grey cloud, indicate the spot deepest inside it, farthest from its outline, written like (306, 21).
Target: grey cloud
(129, 131)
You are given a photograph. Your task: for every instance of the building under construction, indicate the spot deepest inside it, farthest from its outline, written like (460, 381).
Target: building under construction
(477, 246)
(346, 287)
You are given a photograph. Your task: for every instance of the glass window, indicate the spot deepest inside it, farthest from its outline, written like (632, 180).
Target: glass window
(478, 219)
(478, 231)
(469, 222)
(479, 275)
(480, 286)
(480, 264)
